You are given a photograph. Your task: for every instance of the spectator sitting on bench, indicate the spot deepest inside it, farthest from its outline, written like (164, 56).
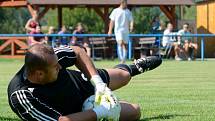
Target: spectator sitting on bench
(63, 40)
(81, 41)
(169, 41)
(36, 39)
(51, 40)
(187, 43)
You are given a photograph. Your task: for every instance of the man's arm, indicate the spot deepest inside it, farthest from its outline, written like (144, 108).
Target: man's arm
(111, 24)
(27, 26)
(84, 63)
(89, 115)
(74, 38)
(30, 108)
(131, 26)
(131, 20)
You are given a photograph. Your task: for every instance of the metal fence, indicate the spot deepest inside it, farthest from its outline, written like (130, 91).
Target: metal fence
(159, 36)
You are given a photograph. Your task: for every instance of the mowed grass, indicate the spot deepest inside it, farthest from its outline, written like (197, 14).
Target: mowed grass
(176, 91)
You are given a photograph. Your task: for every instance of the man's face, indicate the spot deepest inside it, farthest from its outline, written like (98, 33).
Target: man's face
(185, 27)
(52, 69)
(64, 29)
(170, 27)
(79, 28)
(124, 4)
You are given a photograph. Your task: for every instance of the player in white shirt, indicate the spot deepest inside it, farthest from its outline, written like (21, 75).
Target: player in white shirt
(169, 41)
(167, 38)
(122, 21)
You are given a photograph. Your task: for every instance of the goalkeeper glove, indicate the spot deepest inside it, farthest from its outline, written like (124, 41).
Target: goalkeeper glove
(108, 110)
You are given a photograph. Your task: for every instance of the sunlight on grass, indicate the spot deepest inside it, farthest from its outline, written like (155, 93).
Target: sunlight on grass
(177, 91)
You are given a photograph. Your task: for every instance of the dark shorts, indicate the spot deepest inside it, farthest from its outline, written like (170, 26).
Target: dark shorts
(84, 85)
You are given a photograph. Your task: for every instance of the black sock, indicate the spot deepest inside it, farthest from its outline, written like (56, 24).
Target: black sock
(132, 69)
(190, 51)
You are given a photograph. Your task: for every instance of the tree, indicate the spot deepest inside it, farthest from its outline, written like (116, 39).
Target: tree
(13, 20)
(93, 23)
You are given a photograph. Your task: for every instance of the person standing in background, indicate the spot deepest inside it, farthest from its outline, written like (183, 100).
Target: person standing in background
(32, 23)
(122, 20)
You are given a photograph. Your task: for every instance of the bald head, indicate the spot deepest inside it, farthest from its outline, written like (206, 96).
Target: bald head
(36, 58)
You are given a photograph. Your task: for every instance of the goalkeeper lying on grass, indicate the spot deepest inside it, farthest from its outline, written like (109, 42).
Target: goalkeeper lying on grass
(44, 89)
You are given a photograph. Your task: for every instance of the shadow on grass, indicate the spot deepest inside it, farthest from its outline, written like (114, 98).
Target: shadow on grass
(8, 119)
(163, 116)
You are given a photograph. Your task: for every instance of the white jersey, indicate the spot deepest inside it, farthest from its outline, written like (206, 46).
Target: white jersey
(121, 18)
(168, 39)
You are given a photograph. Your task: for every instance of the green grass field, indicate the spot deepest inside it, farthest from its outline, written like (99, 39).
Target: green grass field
(176, 91)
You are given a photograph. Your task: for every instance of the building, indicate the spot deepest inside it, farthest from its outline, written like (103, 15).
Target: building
(206, 24)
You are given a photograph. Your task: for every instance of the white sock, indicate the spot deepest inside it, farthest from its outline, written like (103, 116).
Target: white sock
(124, 54)
(120, 52)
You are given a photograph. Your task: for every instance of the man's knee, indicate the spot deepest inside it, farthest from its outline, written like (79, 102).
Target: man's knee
(124, 73)
(137, 114)
(129, 112)
(126, 77)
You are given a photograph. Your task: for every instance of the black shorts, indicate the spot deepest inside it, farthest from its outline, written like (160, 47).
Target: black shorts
(84, 85)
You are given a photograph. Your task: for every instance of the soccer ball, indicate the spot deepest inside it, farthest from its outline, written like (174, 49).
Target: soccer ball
(89, 103)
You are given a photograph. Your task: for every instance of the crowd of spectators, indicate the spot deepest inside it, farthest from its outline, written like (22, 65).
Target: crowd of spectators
(175, 43)
(180, 42)
(33, 27)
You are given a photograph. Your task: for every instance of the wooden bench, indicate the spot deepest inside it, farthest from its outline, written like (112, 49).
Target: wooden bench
(99, 47)
(145, 45)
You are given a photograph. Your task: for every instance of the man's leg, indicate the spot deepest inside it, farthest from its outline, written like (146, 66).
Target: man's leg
(120, 51)
(193, 47)
(186, 50)
(129, 112)
(118, 78)
(121, 75)
(177, 51)
(124, 50)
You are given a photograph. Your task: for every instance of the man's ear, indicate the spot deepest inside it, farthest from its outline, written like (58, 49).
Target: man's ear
(39, 74)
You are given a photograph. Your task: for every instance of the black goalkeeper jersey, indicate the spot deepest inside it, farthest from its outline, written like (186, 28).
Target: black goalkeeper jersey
(47, 102)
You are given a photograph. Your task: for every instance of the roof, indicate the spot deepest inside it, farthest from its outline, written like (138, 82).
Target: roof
(202, 1)
(110, 2)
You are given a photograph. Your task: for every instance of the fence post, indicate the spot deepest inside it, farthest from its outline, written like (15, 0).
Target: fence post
(202, 48)
(93, 51)
(159, 46)
(129, 49)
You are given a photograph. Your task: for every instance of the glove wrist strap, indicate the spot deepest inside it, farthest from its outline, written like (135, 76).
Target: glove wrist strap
(96, 79)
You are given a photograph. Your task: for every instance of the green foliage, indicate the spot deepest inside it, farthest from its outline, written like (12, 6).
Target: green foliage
(13, 20)
(190, 13)
(93, 23)
(143, 18)
(90, 19)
